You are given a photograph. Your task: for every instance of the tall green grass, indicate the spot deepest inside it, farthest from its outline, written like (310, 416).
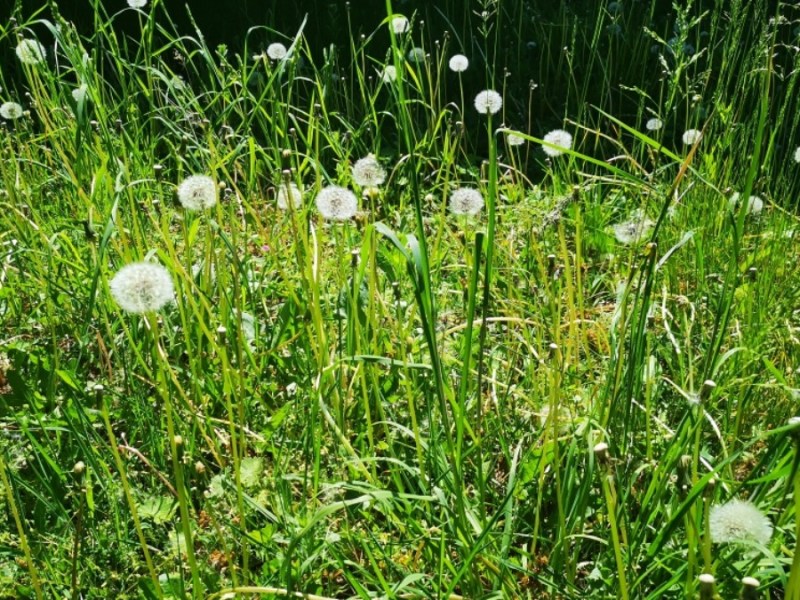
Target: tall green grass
(408, 404)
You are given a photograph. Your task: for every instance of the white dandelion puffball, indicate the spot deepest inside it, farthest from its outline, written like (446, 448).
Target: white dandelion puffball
(738, 521)
(514, 140)
(691, 136)
(10, 111)
(368, 172)
(466, 201)
(30, 52)
(289, 196)
(557, 137)
(197, 192)
(654, 124)
(754, 204)
(458, 63)
(276, 51)
(142, 287)
(797, 155)
(137, 3)
(79, 93)
(336, 203)
(416, 55)
(633, 231)
(389, 74)
(488, 102)
(399, 24)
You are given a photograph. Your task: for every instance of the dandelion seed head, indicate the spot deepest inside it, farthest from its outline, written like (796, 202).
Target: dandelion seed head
(197, 192)
(654, 124)
(399, 24)
(10, 111)
(368, 172)
(30, 52)
(754, 204)
(488, 102)
(458, 63)
(416, 55)
(615, 7)
(276, 51)
(389, 74)
(738, 521)
(289, 196)
(635, 230)
(515, 140)
(142, 287)
(557, 137)
(79, 93)
(137, 3)
(466, 201)
(336, 203)
(692, 136)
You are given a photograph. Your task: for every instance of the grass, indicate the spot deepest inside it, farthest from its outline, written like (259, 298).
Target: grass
(409, 403)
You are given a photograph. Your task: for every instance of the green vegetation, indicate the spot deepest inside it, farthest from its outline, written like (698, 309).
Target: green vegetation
(585, 389)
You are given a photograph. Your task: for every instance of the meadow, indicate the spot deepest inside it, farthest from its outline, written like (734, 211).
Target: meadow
(507, 312)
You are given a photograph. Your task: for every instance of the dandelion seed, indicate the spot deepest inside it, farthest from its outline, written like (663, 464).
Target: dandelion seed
(515, 140)
(142, 287)
(416, 55)
(30, 52)
(654, 124)
(399, 25)
(458, 63)
(197, 192)
(137, 3)
(466, 201)
(797, 155)
(289, 196)
(276, 51)
(488, 102)
(692, 136)
(11, 111)
(389, 74)
(754, 204)
(738, 521)
(560, 138)
(633, 231)
(336, 203)
(368, 172)
(79, 93)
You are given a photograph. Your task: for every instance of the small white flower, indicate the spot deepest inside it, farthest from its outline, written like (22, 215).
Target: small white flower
(336, 203)
(466, 201)
(79, 93)
(797, 155)
(634, 230)
(738, 521)
(30, 52)
(416, 55)
(458, 63)
(557, 137)
(276, 51)
(289, 196)
(399, 24)
(515, 140)
(488, 102)
(10, 111)
(754, 204)
(197, 192)
(692, 136)
(368, 172)
(654, 124)
(389, 74)
(137, 3)
(142, 287)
